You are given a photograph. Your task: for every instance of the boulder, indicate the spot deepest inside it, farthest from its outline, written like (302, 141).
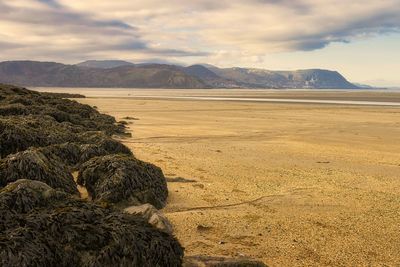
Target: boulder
(152, 216)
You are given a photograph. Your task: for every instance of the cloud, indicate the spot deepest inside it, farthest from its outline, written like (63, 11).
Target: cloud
(8, 45)
(50, 30)
(187, 30)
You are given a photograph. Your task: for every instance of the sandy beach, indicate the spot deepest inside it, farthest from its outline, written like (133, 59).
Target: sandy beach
(289, 184)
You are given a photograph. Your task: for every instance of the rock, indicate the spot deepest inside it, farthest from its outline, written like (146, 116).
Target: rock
(201, 186)
(130, 118)
(151, 215)
(203, 228)
(180, 180)
(123, 179)
(205, 261)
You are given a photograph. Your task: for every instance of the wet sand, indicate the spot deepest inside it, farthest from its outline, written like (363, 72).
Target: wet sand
(290, 184)
(299, 94)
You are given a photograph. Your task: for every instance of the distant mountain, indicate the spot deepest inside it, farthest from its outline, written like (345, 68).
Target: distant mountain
(209, 77)
(32, 73)
(260, 78)
(116, 73)
(104, 64)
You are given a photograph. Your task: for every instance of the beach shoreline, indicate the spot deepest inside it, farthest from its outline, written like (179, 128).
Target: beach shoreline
(304, 184)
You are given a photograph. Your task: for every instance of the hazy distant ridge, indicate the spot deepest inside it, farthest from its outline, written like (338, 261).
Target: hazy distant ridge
(117, 73)
(260, 78)
(32, 73)
(104, 64)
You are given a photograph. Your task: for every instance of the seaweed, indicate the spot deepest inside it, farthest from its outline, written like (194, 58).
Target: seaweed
(13, 109)
(40, 226)
(63, 95)
(30, 119)
(44, 137)
(100, 145)
(86, 147)
(19, 101)
(122, 178)
(8, 89)
(32, 164)
(68, 154)
(18, 133)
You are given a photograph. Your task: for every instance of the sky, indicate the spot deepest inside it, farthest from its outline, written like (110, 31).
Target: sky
(358, 38)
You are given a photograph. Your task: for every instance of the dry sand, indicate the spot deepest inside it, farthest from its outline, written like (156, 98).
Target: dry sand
(290, 184)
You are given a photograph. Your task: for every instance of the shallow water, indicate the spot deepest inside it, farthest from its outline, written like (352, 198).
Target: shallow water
(314, 96)
(279, 100)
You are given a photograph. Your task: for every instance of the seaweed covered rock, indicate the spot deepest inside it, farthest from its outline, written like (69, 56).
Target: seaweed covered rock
(68, 153)
(75, 154)
(40, 226)
(24, 195)
(20, 101)
(34, 165)
(42, 221)
(13, 109)
(32, 119)
(65, 110)
(121, 178)
(12, 90)
(18, 133)
(95, 144)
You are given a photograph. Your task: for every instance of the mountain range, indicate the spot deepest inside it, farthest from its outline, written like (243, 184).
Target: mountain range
(123, 74)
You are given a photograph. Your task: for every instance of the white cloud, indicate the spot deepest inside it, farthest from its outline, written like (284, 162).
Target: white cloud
(198, 30)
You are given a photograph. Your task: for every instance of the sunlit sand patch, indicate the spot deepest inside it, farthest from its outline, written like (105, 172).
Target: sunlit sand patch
(290, 184)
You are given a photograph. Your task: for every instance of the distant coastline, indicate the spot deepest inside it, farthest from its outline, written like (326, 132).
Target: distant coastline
(121, 74)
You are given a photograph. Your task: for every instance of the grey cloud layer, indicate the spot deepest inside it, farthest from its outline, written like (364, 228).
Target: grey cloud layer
(180, 28)
(47, 28)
